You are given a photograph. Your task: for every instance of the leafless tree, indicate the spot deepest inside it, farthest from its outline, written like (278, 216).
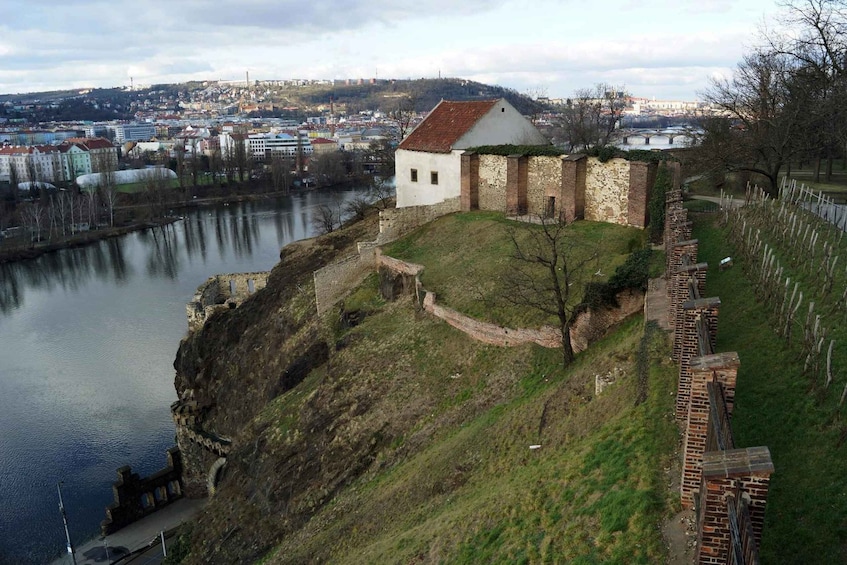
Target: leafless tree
(548, 271)
(763, 116)
(33, 217)
(325, 219)
(592, 115)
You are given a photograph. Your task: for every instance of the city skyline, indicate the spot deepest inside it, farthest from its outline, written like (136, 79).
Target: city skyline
(654, 48)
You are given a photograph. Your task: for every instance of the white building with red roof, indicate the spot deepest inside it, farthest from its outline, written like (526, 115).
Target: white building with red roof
(428, 162)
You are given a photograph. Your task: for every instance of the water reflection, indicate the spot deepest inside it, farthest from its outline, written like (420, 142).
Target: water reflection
(87, 342)
(236, 232)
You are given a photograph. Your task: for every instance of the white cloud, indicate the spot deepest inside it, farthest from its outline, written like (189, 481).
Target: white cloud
(555, 43)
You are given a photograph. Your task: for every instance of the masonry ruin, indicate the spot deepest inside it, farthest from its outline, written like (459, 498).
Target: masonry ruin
(221, 292)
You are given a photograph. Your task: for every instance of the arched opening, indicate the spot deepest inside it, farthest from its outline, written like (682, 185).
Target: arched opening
(214, 476)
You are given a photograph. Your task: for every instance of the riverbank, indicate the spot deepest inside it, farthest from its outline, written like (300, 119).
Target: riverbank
(10, 252)
(36, 249)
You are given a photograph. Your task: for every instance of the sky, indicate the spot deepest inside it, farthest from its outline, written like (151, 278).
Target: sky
(663, 49)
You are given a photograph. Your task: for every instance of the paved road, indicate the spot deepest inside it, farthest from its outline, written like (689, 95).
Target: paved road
(136, 537)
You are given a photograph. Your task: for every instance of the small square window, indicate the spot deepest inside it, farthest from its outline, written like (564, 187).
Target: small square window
(414, 175)
(433, 177)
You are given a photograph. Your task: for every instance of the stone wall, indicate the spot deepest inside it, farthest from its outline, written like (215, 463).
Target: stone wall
(589, 326)
(569, 186)
(221, 292)
(335, 281)
(492, 183)
(136, 497)
(395, 222)
(544, 181)
(606, 190)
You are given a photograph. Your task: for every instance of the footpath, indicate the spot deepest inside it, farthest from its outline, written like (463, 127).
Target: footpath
(118, 547)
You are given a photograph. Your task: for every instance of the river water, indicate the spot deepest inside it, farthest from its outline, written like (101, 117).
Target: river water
(87, 342)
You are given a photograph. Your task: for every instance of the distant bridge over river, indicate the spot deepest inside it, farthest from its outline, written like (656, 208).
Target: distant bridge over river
(652, 136)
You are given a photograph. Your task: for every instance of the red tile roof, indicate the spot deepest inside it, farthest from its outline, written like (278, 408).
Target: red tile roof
(445, 125)
(322, 140)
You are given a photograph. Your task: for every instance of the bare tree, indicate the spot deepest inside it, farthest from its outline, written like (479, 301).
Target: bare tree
(763, 112)
(592, 115)
(325, 219)
(548, 271)
(33, 217)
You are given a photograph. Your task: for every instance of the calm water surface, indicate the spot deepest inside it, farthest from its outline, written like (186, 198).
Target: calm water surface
(87, 342)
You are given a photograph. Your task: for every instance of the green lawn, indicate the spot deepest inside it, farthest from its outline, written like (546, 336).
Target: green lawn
(466, 255)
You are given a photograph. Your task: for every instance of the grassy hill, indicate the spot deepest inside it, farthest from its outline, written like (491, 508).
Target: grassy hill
(406, 441)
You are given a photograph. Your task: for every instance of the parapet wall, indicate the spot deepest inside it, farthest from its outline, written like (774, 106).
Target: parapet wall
(136, 497)
(220, 292)
(726, 485)
(395, 222)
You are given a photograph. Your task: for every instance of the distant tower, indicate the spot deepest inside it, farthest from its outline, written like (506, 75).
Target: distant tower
(131, 87)
(247, 81)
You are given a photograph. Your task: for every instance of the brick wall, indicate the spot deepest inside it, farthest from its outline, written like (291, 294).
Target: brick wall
(492, 183)
(718, 479)
(335, 281)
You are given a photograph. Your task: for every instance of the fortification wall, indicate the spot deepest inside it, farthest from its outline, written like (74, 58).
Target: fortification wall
(221, 292)
(394, 222)
(606, 191)
(336, 280)
(589, 326)
(601, 192)
(544, 179)
(492, 182)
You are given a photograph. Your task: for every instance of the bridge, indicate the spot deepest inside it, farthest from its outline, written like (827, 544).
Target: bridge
(668, 135)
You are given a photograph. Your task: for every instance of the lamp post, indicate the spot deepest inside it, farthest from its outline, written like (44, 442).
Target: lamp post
(65, 522)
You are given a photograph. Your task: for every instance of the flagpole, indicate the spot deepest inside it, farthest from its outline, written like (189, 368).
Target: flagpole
(65, 522)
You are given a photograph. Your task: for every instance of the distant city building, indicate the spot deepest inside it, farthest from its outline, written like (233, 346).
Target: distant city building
(134, 132)
(56, 163)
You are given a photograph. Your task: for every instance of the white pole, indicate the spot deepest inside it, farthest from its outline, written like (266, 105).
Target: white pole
(164, 549)
(65, 522)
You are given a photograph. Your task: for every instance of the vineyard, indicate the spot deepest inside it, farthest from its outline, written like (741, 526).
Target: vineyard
(796, 255)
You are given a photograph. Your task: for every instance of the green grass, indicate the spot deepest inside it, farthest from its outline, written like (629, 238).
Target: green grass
(465, 256)
(806, 518)
(474, 492)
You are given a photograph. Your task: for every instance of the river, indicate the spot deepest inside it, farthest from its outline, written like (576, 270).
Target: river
(87, 342)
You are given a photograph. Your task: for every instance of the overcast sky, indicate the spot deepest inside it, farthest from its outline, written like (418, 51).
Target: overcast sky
(665, 49)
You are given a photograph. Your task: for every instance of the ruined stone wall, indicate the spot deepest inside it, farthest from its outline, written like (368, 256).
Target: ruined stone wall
(335, 281)
(222, 291)
(544, 181)
(492, 182)
(396, 222)
(606, 190)
(593, 324)
(493, 334)
(588, 327)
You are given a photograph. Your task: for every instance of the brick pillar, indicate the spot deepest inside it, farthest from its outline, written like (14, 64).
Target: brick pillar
(722, 368)
(678, 288)
(675, 256)
(640, 176)
(676, 174)
(516, 181)
(736, 472)
(470, 181)
(694, 310)
(573, 188)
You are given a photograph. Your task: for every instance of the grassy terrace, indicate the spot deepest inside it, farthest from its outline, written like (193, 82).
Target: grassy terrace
(456, 480)
(465, 256)
(776, 406)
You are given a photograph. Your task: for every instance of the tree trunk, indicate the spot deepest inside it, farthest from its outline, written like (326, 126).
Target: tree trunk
(817, 174)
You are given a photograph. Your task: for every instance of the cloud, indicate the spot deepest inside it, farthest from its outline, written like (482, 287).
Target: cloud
(555, 42)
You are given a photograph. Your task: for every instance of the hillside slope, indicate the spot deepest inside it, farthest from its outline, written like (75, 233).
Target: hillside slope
(402, 440)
